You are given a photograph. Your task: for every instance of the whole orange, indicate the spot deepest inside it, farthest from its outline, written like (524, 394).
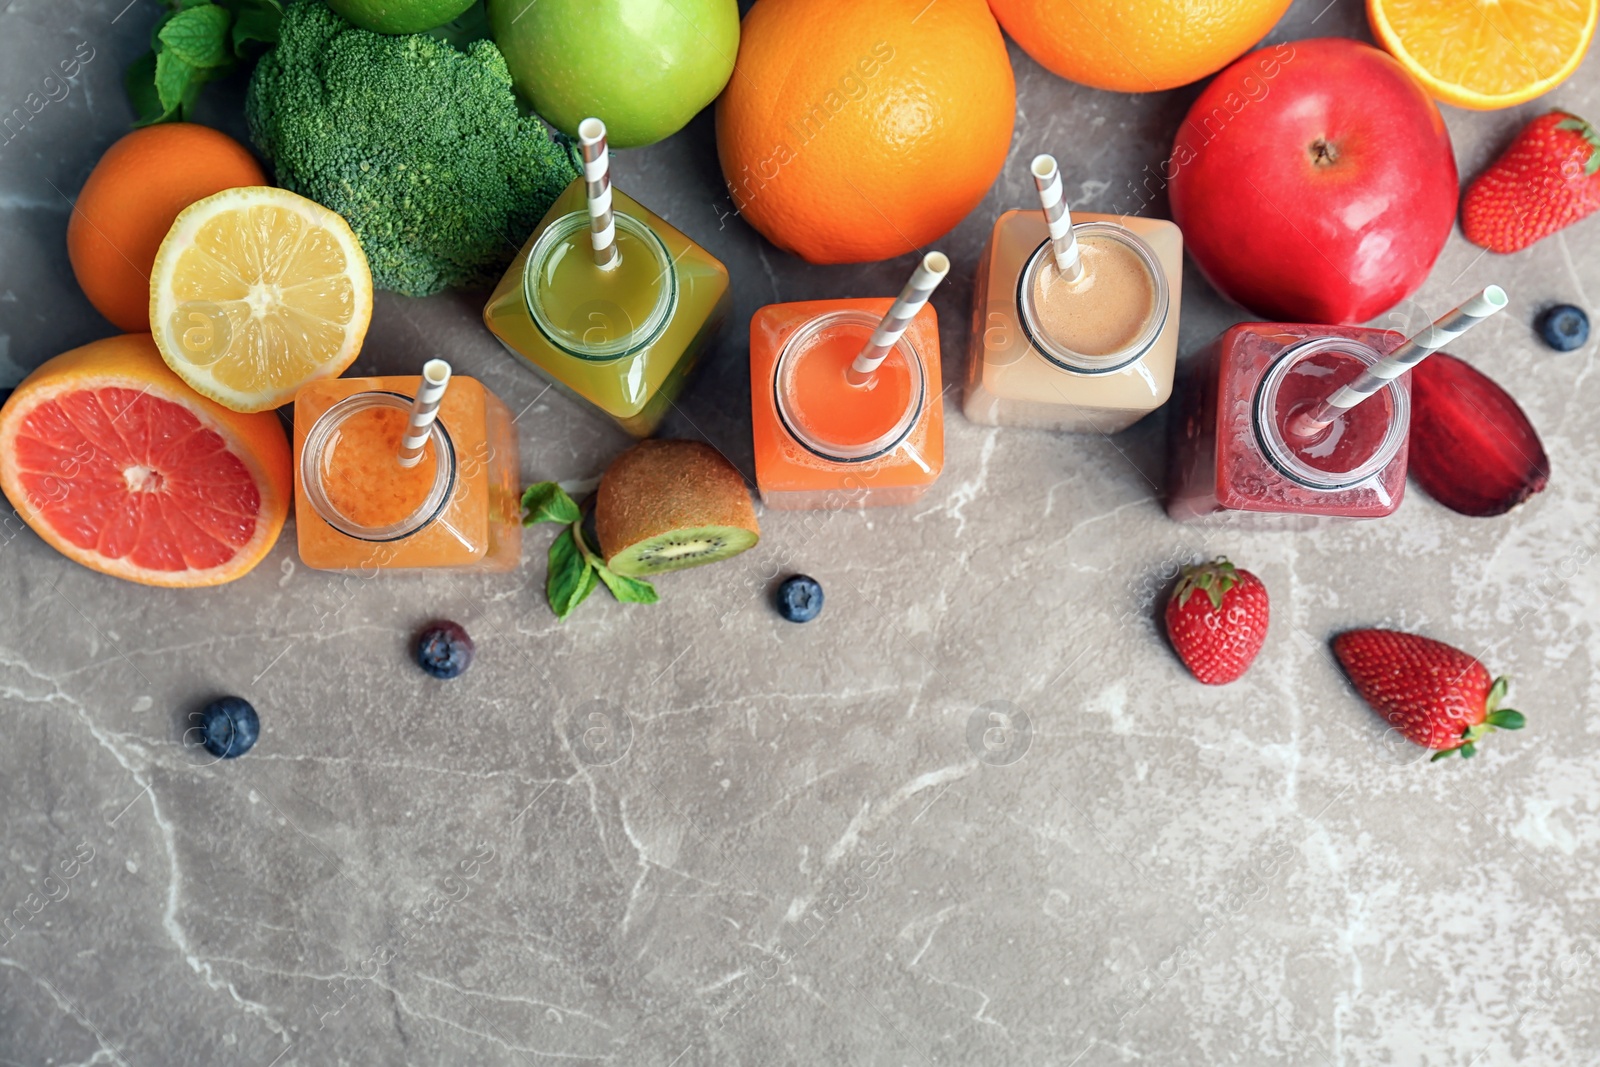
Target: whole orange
(1137, 46)
(128, 204)
(858, 131)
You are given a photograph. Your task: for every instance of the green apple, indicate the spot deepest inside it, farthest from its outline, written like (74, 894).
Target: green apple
(645, 67)
(399, 16)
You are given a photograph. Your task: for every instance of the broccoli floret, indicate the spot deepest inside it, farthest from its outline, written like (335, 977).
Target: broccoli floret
(421, 147)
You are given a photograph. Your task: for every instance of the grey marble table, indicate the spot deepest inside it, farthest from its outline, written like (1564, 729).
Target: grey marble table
(694, 833)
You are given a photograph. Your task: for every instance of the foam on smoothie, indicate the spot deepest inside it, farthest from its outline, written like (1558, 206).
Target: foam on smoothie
(1102, 312)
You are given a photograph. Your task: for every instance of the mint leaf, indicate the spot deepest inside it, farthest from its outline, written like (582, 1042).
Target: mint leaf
(575, 568)
(548, 502)
(254, 21)
(160, 24)
(198, 36)
(627, 590)
(177, 83)
(590, 580)
(140, 82)
(192, 43)
(255, 25)
(571, 576)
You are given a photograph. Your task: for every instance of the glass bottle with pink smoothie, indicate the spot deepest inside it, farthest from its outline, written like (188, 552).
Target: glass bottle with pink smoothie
(1281, 420)
(1231, 446)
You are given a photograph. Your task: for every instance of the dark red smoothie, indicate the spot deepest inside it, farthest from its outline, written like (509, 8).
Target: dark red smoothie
(1349, 440)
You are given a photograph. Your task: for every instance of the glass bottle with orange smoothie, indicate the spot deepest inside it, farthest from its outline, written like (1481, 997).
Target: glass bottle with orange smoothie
(1089, 348)
(845, 398)
(358, 507)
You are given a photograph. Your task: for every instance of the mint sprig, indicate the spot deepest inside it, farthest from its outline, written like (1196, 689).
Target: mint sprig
(196, 42)
(575, 568)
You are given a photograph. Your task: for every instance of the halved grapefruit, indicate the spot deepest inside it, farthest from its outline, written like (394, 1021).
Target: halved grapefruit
(119, 465)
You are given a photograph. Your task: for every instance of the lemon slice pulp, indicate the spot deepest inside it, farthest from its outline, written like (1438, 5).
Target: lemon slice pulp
(257, 291)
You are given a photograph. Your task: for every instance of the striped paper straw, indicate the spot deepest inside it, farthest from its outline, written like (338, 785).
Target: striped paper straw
(1063, 242)
(924, 280)
(424, 410)
(597, 175)
(1402, 359)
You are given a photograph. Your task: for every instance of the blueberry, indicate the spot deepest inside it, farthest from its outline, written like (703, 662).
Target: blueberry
(229, 727)
(1564, 327)
(800, 598)
(444, 650)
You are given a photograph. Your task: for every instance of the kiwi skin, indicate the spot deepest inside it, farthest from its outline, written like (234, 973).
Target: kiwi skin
(658, 489)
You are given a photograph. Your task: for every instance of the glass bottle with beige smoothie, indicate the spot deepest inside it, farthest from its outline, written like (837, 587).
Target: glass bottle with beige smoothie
(1088, 347)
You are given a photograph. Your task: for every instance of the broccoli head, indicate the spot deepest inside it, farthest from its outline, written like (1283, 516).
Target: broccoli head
(420, 146)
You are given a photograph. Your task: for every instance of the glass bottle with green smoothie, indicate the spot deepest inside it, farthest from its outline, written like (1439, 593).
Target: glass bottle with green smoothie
(612, 305)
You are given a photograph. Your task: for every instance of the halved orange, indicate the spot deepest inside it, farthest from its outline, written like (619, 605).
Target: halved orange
(1486, 54)
(257, 291)
(119, 465)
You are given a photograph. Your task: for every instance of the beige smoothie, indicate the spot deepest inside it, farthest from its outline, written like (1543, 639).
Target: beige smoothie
(1106, 309)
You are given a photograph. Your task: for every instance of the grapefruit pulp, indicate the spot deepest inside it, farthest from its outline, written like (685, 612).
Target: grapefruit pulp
(120, 466)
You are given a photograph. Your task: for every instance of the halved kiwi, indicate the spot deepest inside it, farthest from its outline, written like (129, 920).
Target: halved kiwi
(666, 505)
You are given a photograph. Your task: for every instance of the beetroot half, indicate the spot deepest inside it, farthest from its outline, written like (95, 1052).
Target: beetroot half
(1472, 448)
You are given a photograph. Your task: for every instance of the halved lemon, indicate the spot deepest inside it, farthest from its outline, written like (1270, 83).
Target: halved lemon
(1486, 54)
(257, 291)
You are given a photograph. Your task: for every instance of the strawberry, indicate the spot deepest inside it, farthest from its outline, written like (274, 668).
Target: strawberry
(1437, 696)
(1548, 179)
(1217, 635)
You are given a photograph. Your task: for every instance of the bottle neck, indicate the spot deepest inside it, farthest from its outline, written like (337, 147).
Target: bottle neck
(1149, 328)
(1357, 445)
(812, 392)
(593, 313)
(350, 469)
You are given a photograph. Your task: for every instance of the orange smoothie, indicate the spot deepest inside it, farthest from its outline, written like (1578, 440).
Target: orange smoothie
(821, 405)
(361, 472)
(356, 508)
(821, 442)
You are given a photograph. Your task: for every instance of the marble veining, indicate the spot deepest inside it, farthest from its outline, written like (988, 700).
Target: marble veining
(975, 814)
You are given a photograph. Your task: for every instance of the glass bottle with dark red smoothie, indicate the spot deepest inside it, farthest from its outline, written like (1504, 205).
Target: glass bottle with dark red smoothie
(1233, 449)
(1283, 420)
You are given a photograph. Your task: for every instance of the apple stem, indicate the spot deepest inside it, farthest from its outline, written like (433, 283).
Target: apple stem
(1323, 154)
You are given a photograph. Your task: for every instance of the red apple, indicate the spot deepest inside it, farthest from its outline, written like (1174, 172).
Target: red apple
(1314, 182)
